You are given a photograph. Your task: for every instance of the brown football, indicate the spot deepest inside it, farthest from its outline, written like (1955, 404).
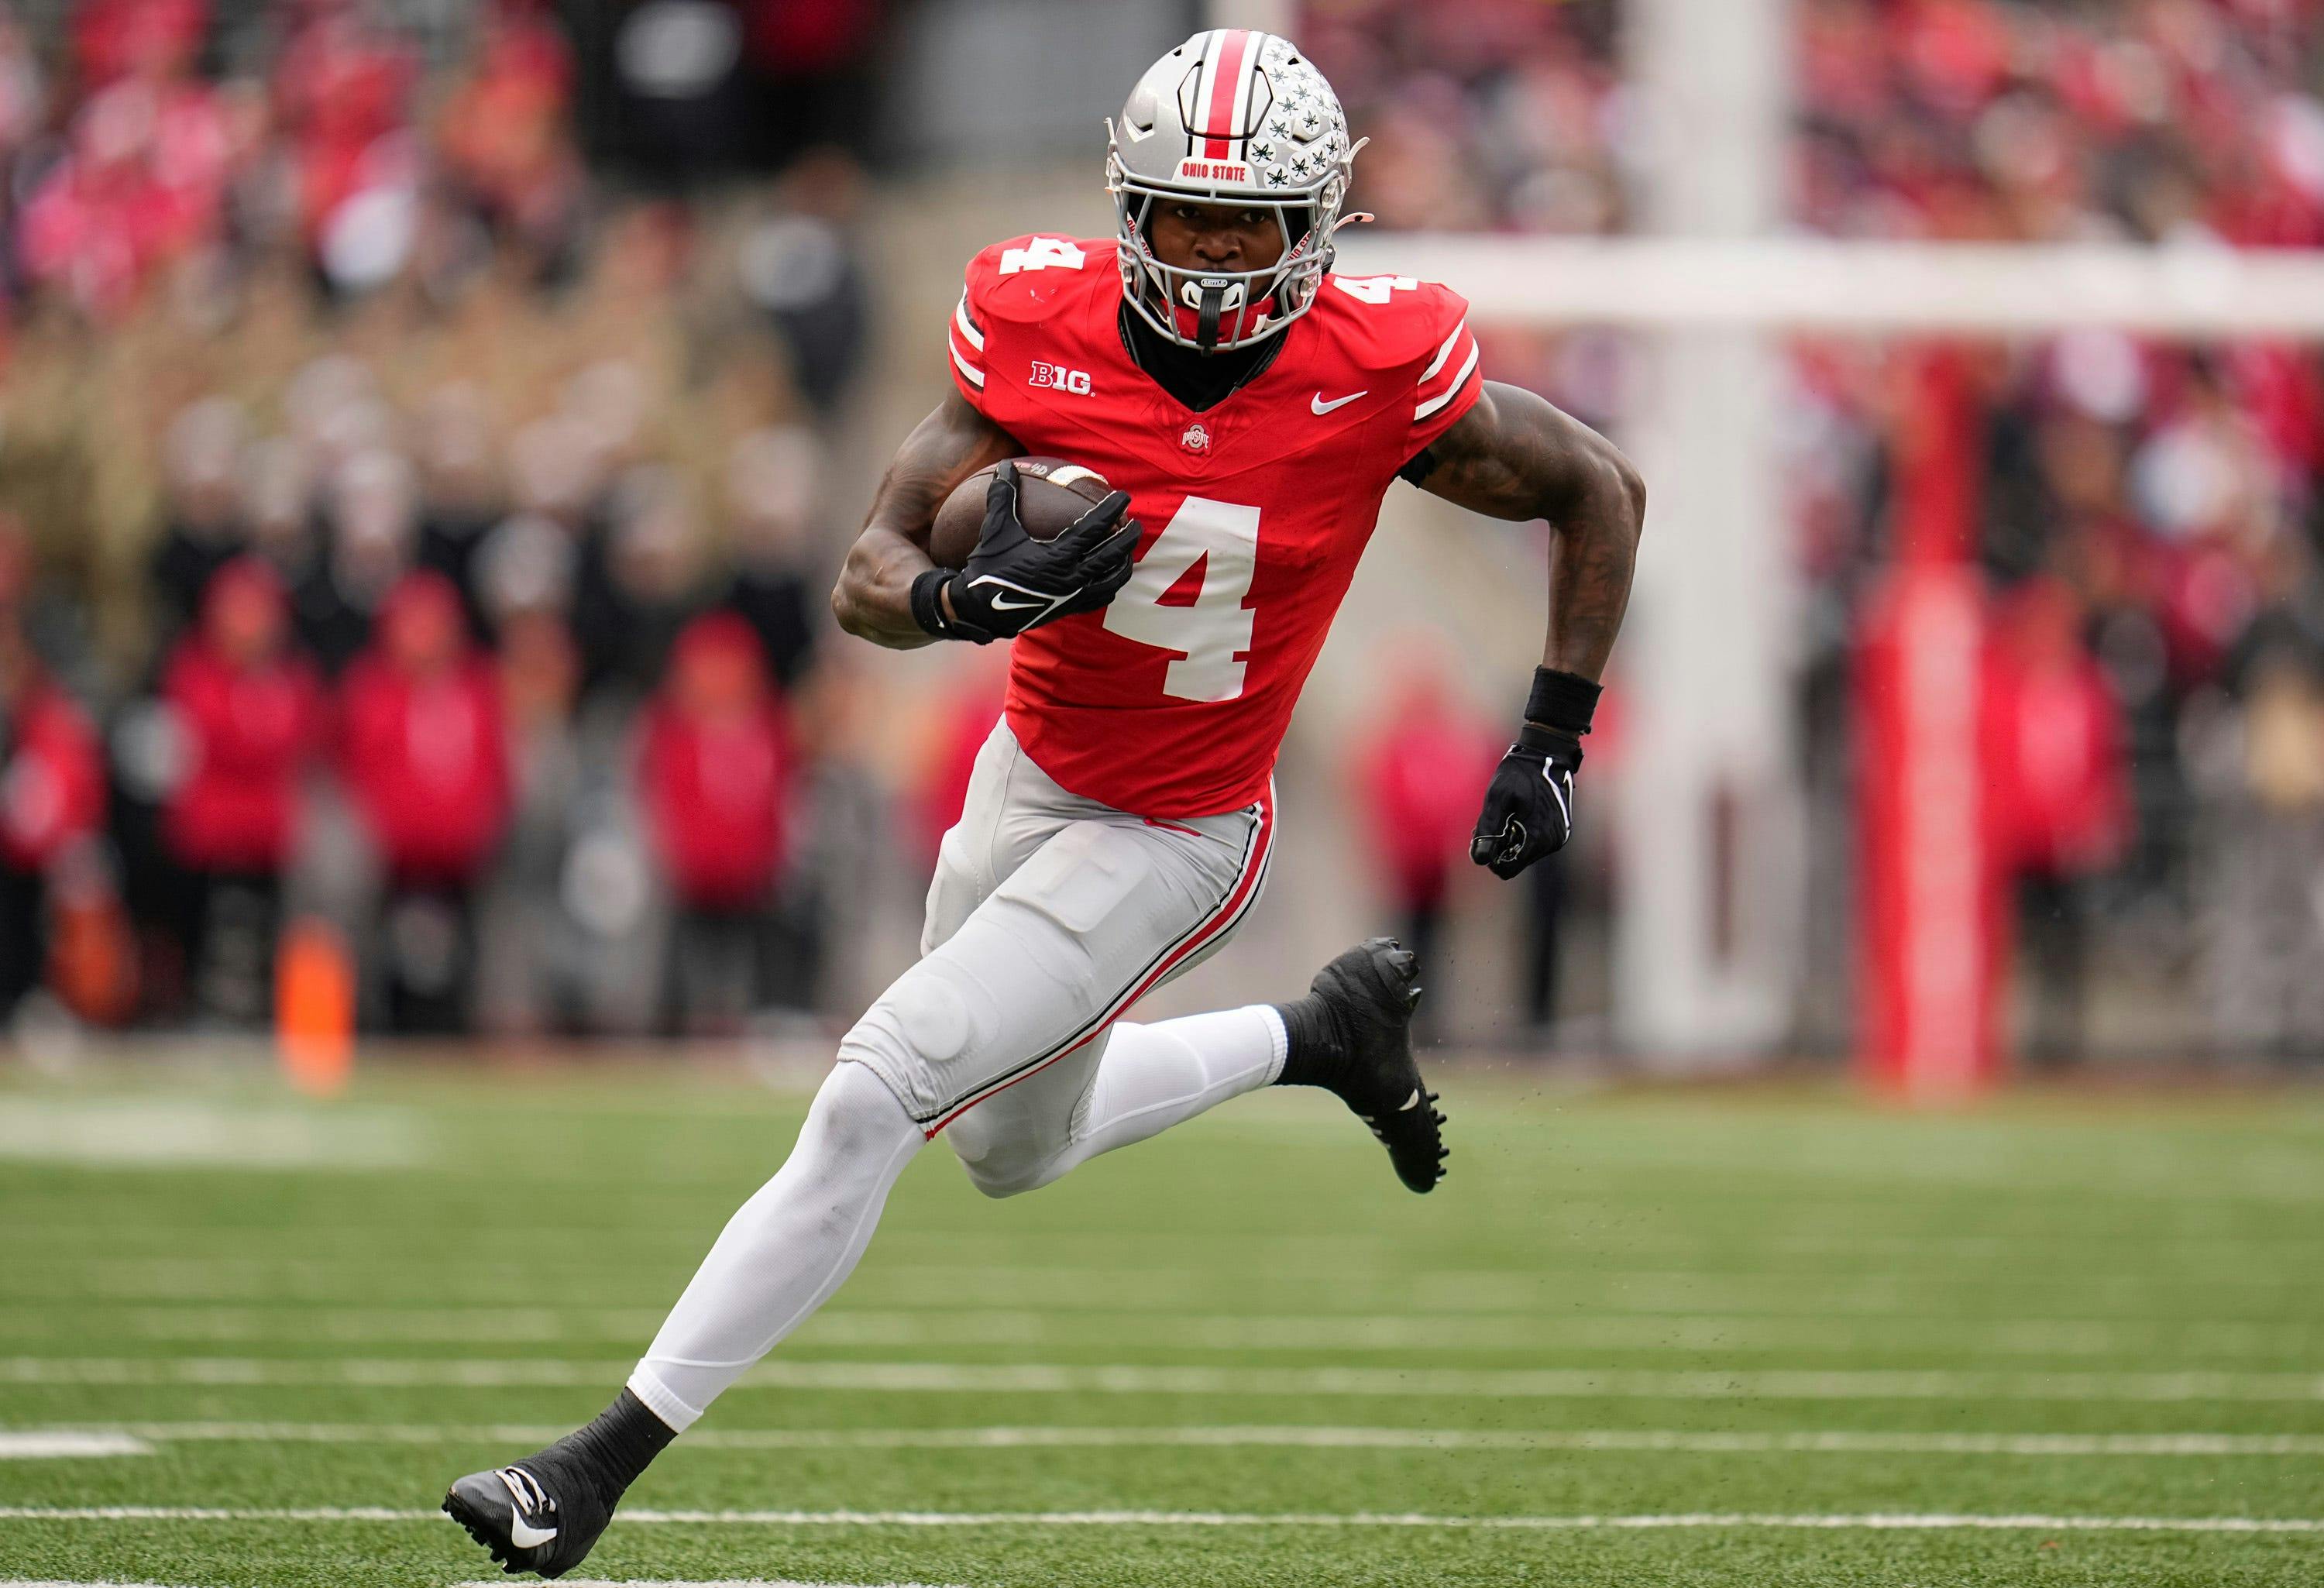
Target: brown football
(1051, 493)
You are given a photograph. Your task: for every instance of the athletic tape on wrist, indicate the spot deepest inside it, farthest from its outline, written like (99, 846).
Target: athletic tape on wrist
(1560, 700)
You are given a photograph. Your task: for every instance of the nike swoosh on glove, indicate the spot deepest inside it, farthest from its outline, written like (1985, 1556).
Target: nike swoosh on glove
(1013, 583)
(1529, 805)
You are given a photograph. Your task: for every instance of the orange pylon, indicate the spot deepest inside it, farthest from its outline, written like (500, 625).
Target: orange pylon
(315, 1007)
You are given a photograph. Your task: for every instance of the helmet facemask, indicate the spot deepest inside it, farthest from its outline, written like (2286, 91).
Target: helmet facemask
(1212, 310)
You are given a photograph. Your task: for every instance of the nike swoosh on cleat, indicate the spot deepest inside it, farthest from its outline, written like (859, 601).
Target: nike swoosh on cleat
(1321, 408)
(1411, 1102)
(522, 1533)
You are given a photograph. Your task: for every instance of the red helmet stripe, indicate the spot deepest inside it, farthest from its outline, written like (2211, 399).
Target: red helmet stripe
(1228, 68)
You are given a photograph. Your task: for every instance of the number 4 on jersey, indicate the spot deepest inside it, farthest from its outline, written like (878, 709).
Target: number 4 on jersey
(1374, 289)
(1042, 253)
(1210, 633)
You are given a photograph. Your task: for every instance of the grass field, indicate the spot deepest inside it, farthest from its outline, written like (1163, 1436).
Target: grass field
(1742, 1338)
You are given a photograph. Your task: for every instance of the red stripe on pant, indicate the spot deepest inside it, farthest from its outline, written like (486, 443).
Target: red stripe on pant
(1210, 929)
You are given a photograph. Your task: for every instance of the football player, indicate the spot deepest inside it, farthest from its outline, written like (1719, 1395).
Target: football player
(1254, 407)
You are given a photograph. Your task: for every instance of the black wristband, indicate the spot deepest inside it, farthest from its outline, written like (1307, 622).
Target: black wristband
(1564, 701)
(928, 604)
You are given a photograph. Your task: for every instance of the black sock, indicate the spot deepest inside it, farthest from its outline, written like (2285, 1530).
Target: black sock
(621, 1443)
(1313, 1055)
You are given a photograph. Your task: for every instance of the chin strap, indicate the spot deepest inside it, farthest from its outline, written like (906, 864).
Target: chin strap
(1206, 323)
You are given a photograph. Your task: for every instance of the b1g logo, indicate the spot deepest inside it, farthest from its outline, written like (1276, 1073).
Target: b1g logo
(1060, 378)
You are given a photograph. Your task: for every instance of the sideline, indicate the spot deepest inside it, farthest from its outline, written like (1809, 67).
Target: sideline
(1125, 1378)
(1930, 1522)
(1227, 1436)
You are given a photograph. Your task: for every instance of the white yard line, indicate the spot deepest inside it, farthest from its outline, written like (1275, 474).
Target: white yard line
(1128, 1379)
(1877, 1521)
(136, 1133)
(1679, 1291)
(1293, 1437)
(535, 1325)
(68, 1444)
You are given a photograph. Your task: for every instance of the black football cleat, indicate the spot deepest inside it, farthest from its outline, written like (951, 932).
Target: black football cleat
(540, 1515)
(1371, 990)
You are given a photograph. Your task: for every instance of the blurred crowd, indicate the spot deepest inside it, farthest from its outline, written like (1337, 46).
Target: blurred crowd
(404, 528)
(550, 767)
(130, 157)
(2149, 512)
(2150, 515)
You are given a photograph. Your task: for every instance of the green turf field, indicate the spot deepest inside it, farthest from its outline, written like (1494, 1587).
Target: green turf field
(1743, 1338)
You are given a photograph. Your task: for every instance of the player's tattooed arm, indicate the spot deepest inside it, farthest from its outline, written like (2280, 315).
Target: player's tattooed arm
(873, 597)
(1514, 456)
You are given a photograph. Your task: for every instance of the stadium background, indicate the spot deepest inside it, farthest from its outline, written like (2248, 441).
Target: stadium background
(608, 314)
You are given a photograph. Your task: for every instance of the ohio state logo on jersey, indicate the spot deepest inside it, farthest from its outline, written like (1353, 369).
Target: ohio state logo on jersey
(1197, 439)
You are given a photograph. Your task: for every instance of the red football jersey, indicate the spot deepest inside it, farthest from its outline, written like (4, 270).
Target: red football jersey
(1172, 700)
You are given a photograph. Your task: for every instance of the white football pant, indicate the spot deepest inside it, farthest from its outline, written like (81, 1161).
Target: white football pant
(1049, 915)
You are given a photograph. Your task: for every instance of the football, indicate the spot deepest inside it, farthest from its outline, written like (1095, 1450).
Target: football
(1051, 493)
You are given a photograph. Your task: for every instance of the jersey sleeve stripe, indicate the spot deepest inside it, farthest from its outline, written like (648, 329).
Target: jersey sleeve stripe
(1443, 353)
(974, 376)
(967, 324)
(1468, 367)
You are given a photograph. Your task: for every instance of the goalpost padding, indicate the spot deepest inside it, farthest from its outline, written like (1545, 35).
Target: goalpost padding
(2188, 291)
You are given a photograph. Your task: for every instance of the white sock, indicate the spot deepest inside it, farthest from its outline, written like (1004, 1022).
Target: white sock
(786, 1250)
(1158, 1076)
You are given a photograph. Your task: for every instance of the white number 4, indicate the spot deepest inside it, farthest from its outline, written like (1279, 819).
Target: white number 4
(1042, 253)
(1211, 633)
(1373, 288)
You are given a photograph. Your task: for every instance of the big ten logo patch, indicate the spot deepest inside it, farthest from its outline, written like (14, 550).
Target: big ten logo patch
(1059, 378)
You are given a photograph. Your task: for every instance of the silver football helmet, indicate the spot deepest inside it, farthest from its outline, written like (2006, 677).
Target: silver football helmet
(1230, 117)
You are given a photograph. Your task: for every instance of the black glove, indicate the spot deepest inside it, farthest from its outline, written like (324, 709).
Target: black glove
(1013, 583)
(1529, 804)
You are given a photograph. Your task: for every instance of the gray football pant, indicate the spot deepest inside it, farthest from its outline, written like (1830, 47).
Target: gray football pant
(1048, 916)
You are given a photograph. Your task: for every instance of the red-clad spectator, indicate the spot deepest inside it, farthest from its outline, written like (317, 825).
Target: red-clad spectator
(2063, 787)
(423, 747)
(250, 715)
(715, 771)
(715, 768)
(502, 131)
(150, 39)
(342, 96)
(252, 712)
(112, 211)
(51, 804)
(426, 761)
(1417, 773)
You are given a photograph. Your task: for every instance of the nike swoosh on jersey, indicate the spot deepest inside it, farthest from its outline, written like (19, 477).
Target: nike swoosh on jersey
(1321, 407)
